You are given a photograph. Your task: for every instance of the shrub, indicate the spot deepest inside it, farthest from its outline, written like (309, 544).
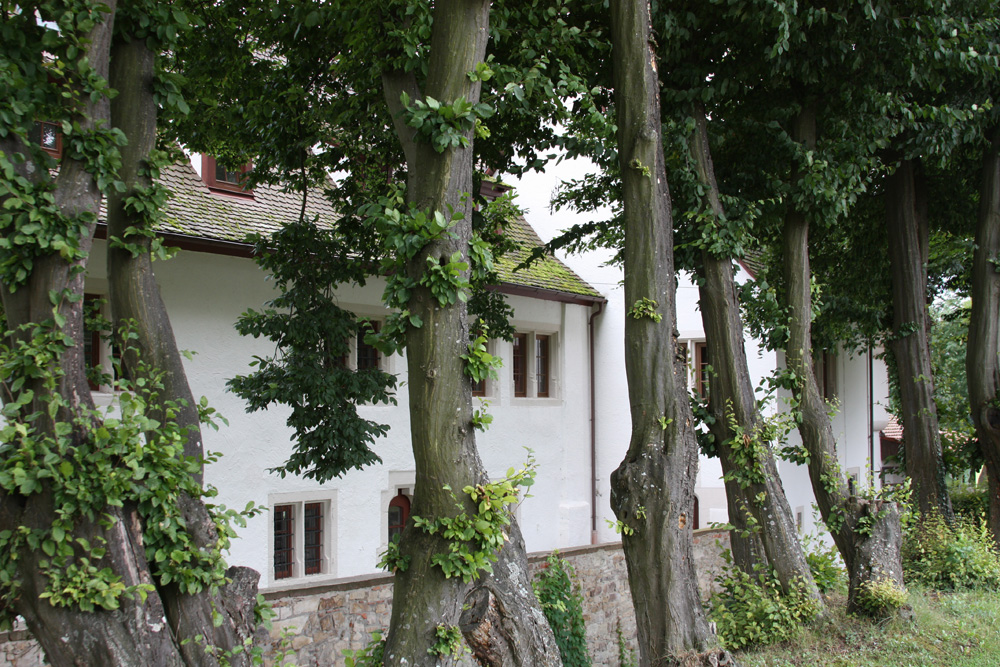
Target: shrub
(753, 610)
(825, 564)
(970, 502)
(559, 595)
(959, 556)
(881, 599)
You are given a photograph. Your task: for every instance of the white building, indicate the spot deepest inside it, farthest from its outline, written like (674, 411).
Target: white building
(314, 532)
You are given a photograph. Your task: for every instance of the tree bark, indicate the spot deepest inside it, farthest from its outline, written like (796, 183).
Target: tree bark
(136, 303)
(908, 228)
(134, 295)
(870, 554)
(440, 398)
(652, 491)
(757, 487)
(141, 631)
(135, 633)
(983, 356)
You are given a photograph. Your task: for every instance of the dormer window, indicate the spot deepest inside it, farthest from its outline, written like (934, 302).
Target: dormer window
(220, 179)
(48, 137)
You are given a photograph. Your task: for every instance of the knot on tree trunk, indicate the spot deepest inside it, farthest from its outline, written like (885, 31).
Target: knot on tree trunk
(481, 624)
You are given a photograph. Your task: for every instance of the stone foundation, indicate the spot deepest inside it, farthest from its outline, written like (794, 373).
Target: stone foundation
(317, 624)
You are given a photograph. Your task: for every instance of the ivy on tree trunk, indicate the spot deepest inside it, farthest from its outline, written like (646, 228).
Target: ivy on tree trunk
(502, 622)
(867, 532)
(757, 499)
(652, 491)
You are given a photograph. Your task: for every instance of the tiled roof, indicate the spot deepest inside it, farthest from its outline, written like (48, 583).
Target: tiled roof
(195, 211)
(547, 273)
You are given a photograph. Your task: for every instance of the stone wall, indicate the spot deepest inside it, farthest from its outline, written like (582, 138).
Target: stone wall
(314, 626)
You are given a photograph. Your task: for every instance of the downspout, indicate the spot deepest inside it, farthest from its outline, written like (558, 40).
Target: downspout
(871, 419)
(593, 425)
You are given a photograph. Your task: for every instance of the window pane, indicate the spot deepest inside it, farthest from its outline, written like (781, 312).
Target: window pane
(313, 536)
(542, 365)
(283, 541)
(479, 388)
(226, 176)
(368, 356)
(701, 369)
(520, 364)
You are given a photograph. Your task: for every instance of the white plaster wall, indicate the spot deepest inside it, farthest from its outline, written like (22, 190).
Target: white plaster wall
(205, 294)
(613, 418)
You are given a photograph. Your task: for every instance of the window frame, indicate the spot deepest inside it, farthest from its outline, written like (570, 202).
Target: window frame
(54, 152)
(208, 176)
(700, 368)
(302, 569)
(398, 482)
(403, 501)
(534, 373)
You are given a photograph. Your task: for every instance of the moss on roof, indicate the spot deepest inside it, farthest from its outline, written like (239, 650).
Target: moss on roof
(546, 273)
(196, 211)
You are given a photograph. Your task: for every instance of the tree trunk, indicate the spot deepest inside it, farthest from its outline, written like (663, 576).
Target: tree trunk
(751, 474)
(440, 398)
(870, 554)
(983, 356)
(906, 220)
(652, 491)
(135, 633)
(136, 303)
(134, 295)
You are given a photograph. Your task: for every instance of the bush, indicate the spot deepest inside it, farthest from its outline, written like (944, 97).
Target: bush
(753, 610)
(825, 564)
(559, 595)
(882, 598)
(959, 556)
(970, 502)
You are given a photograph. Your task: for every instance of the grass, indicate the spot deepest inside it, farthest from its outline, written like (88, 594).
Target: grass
(960, 629)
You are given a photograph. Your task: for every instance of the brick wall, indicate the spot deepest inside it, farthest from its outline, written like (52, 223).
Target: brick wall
(317, 624)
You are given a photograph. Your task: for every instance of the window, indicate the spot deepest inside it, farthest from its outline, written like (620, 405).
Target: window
(284, 541)
(92, 344)
(701, 368)
(542, 366)
(826, 375)
(218, 178)
(696, 518)
(533, 365)
(300, 539)
(520, 365)
(399, 514)
(367, 355)
(48, 136)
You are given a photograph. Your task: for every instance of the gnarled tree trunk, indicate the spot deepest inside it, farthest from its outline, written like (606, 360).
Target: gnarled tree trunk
(136, 633)
(983, 356)
(136, 303)
(750, 476)
(906, 220)
(503, 623)
(652, 491)
(872, 553)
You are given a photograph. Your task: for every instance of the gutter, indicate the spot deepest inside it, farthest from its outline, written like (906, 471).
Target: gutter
(593, 423)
